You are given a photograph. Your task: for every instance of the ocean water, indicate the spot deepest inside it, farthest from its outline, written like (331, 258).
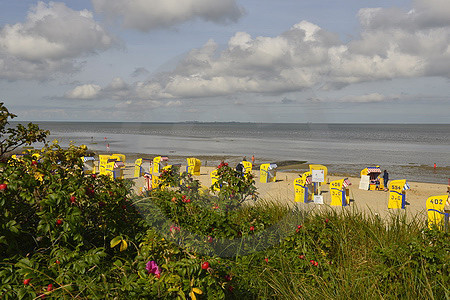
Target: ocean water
(405, 150)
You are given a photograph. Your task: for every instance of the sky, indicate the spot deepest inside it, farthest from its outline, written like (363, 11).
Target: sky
(319, 61)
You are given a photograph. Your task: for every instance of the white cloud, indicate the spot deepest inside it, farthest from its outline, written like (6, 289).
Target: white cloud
(373, 97)
(118, 89)
(393, 44)
(50, 40)
(146, 15)
(173, 103)
(425, 14)
(85, 91)
(145, 105)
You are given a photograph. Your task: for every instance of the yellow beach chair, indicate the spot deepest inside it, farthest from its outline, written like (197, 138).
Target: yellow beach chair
(159, 163)
(397, 195)
(339, 192)
(372, 176)
(89, 166)
(214, 178)
(193, 166)
(138, 170)
(109, 168)
(437, 216)
(247, 167)
(103, 161)
(141, 166)
(156, 182)
(118, 168)
(267, 173)
(302, 188)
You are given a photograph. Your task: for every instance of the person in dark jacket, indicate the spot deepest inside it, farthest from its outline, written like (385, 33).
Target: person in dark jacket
(386, 180)
(240, 167)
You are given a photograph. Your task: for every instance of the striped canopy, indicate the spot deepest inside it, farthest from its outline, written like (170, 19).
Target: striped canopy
(119, 164)
(373, 170)
(309, 179)
(406, 187)
(346, 182)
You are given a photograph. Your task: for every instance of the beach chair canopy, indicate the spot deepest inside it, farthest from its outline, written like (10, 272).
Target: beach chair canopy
(373, 170)
(346, 183)
(272, 166)
(119, 164)
(120, 157)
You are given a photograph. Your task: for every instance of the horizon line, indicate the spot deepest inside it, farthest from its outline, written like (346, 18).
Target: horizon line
(227, 122)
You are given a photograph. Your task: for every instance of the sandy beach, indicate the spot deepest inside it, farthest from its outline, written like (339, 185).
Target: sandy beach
(283, 191)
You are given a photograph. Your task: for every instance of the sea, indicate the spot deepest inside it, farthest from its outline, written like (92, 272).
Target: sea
(407, 151)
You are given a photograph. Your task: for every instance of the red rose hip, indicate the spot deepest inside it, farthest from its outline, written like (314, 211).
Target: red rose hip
(205, 265)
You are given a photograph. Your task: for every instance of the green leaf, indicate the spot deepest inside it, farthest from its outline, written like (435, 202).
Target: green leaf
(115, 241)
(118, 263)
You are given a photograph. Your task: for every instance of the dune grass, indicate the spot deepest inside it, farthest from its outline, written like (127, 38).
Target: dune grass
(359, 255)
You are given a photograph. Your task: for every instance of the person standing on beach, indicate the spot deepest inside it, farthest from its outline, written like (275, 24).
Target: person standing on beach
(240, 167)
(385, 179)
(253, 159)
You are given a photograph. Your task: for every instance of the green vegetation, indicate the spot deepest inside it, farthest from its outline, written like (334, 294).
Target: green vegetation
(67, 235)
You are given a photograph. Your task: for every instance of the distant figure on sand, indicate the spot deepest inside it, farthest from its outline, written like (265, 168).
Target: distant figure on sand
(245, 158)
(240, 167)
(386, 180)
(253, 159)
